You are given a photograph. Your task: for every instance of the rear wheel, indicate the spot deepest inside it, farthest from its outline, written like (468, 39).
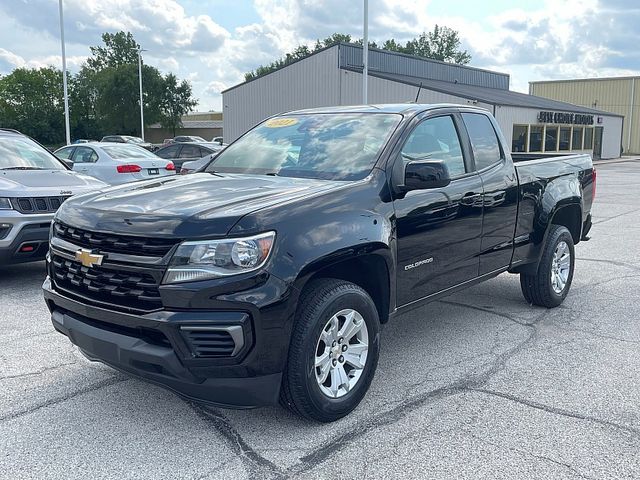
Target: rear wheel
(549, 286)
(334, 351)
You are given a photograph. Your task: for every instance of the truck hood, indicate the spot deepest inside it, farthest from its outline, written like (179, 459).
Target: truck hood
(45, 183)
(187, 206)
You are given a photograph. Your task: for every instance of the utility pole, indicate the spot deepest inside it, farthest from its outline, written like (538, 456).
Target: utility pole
(64, 76)
(365, 53)
(141, 102)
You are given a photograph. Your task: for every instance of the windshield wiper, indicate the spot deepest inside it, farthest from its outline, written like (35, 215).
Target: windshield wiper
(22, 168)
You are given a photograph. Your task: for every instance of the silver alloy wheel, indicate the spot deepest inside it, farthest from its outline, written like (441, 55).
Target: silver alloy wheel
(560, 267)
(341, 353)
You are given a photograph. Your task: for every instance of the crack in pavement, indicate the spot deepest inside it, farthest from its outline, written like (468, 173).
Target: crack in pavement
(487, 310)
(530, 454)
(255, 463)
(590, 286)
(558, 411)
(610, 262)
(599, 335)
(54, 401)
(614, 217)
(40, 372)
(25, 337)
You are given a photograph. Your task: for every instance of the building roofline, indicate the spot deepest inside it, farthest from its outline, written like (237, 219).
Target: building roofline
(387, 52)
(489, 101)
(571, 80)
(427, 59)
(281, 68)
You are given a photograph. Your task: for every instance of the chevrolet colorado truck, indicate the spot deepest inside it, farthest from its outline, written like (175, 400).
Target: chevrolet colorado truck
(33, 185)
(267, 276)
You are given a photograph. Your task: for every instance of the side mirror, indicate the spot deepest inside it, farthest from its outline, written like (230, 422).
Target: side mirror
(423, 174)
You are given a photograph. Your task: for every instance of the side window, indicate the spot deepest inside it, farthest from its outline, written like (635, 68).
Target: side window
(436, 138)
(190, 151)
(65, 153)
(168, 152)
(84, 155)
(484, 141)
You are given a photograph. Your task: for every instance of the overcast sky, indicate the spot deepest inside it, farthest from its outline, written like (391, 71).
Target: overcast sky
(214, 42)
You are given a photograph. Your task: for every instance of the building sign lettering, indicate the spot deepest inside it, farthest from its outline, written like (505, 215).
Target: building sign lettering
(565, 118)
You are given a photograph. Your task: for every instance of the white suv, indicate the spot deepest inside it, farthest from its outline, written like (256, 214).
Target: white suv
(33, 184)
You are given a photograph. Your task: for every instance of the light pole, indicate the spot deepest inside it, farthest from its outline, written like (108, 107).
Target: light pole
(140, 50)
(64, 76)
(365, 53)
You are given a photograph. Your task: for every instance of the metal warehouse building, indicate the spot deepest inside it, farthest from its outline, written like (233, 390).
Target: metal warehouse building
(619, 95)
(333, 76)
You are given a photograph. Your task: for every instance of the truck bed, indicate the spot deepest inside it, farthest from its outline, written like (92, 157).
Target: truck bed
(547, 185)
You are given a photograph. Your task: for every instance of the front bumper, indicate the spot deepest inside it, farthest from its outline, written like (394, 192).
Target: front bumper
(151, 346)
(25, 230)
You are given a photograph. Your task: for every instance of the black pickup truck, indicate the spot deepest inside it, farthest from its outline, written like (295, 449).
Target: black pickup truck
(267, 276)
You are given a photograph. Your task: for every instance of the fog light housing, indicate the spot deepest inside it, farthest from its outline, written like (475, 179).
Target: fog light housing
(5, 228)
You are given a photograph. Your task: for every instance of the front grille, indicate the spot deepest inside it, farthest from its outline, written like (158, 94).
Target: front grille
(38, 204)
(107, 242)
(131, 290)
(207, 343)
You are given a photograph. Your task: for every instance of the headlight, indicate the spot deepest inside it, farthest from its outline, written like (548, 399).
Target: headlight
(208, 259)
(5, 204)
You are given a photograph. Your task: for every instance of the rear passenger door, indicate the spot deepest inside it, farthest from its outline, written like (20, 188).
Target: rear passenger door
(438, 230)
(500, 185)
(83, 159)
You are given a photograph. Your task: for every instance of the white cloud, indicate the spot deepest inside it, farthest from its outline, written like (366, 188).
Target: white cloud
(161, 24)
(557, 39)
(9, 61)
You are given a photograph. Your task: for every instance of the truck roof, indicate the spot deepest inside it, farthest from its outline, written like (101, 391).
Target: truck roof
(401, 108)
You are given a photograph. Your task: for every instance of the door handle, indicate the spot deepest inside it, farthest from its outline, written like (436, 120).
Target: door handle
(470, 199)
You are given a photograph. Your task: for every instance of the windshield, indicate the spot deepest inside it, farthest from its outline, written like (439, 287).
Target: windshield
(342, 146)
(134, 139)
(118, 152)
(22, 153)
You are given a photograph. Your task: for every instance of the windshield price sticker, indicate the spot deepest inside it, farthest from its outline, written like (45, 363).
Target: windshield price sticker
(280, 122)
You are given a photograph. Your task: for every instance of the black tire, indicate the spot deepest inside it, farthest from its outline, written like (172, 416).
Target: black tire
(318, 303)
(537, 288)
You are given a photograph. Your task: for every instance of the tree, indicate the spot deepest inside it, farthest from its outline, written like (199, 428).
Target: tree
(103, 96)
(107, 89)
(31, 102)
(442, 43)
(119, 49)
(176, 101)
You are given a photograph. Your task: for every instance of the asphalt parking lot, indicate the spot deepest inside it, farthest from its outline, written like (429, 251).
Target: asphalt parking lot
(479, 385)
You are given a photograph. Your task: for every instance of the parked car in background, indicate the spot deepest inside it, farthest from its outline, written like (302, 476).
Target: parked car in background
(185, 152)
(115, 163)
(33, 184)
(81, 140)
(193, 166)
(129, 139)
(189, 139)
(218, 140)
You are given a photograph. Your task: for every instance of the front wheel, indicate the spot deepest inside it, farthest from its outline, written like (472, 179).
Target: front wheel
(549, 286)
(334, 351)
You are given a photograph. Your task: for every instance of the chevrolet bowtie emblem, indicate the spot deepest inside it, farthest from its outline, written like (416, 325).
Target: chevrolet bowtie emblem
(87, 258)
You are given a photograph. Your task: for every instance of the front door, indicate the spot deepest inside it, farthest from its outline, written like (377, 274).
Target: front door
(597, 143)
(438, 230)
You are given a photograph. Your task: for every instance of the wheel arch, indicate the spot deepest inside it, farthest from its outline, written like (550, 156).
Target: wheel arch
(371, 271)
